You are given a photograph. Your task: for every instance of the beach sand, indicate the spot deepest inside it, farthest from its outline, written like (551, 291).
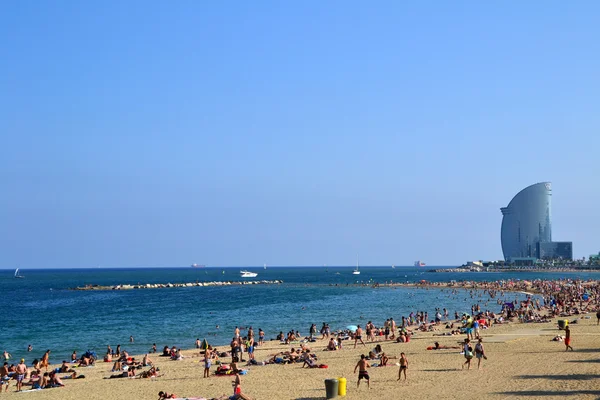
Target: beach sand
(523, 363)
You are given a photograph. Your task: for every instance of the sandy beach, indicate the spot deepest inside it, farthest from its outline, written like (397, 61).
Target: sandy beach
(522, 362)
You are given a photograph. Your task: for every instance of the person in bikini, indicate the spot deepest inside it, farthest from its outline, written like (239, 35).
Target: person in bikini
(45, 359)
(403, 366)
(358, 336)
(362, 366)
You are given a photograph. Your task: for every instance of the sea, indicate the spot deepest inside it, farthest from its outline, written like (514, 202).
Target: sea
(41, 310)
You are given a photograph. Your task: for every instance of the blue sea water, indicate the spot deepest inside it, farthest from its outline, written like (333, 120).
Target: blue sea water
(41, 310)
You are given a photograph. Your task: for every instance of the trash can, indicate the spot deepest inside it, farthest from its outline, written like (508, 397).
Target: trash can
(562, 323)
(331, 388)
(342, 386)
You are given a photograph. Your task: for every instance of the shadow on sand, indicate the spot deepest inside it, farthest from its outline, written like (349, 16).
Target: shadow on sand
(556, 393)
(572, 377)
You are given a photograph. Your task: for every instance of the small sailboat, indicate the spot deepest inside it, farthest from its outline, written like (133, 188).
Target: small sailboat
(17, 274)
(356, 271)
(393, 267)
(265, 266)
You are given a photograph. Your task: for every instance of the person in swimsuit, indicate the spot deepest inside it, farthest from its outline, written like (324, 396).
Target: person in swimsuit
(261, 337)
(568, 339)
(20, 373)
(479, 352)
(468, 352)
(358, 336)
(403, 366)
(207, 363)
(362, 366)
(4, 378)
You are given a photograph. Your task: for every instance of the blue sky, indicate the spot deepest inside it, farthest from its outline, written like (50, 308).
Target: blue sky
(146, 133)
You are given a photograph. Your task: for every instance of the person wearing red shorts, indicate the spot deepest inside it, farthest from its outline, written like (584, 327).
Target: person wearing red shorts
(568, 339)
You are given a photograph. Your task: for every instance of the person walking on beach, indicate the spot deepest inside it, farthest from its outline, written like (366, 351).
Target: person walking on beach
(403, 366)
(358, 336)
(362, 366)
(261, 337)
(568, 339)
(480, 352)
(468, 352)
(4, 378)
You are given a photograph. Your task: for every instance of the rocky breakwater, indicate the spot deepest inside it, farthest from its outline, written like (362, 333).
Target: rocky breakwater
(175, 285)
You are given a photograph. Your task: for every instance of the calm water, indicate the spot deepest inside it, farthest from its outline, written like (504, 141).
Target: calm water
(40, 310)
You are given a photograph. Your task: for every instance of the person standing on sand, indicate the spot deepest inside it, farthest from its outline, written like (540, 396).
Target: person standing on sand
(568, 339)
(20, 373)
(207, 363)
(358, 336)
(4, 378)
(45, 362)
(598, 316)
(403, 366)
(362, 366)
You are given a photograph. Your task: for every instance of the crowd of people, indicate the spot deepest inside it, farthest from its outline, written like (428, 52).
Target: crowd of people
(544, 300)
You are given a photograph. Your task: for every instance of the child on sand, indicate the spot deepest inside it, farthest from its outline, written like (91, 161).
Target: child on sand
(403, 365)
(568, 339)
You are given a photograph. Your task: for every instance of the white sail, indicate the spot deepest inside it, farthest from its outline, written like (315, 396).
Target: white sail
(16, 272)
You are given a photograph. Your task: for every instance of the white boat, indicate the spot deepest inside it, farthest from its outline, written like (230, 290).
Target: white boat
(265, 266)
(248, 274)
(356, 271)
(17, 274)
(419, 263)
(393, 267)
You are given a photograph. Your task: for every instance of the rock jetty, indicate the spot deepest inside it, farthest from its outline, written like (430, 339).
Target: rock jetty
(175, 285)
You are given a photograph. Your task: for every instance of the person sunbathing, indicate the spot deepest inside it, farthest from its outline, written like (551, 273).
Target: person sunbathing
(331, 345)
(383, 360)
(151, 373)
(146, 361)
(437, 346)
(164, 395)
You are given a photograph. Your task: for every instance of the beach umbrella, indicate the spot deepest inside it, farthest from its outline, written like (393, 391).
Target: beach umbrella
(352, 328)
(204, 344)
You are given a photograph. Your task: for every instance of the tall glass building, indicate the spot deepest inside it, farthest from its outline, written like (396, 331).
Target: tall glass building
(527, 221)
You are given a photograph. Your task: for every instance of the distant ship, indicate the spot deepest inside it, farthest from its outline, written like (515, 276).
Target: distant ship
(197, 266)
(248, 274)
(419, 264)
(17, 274)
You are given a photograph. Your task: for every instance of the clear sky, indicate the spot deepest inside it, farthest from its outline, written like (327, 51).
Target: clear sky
(145, 133)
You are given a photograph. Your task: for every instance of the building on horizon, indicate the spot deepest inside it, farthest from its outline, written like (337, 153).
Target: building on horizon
(526, 231)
